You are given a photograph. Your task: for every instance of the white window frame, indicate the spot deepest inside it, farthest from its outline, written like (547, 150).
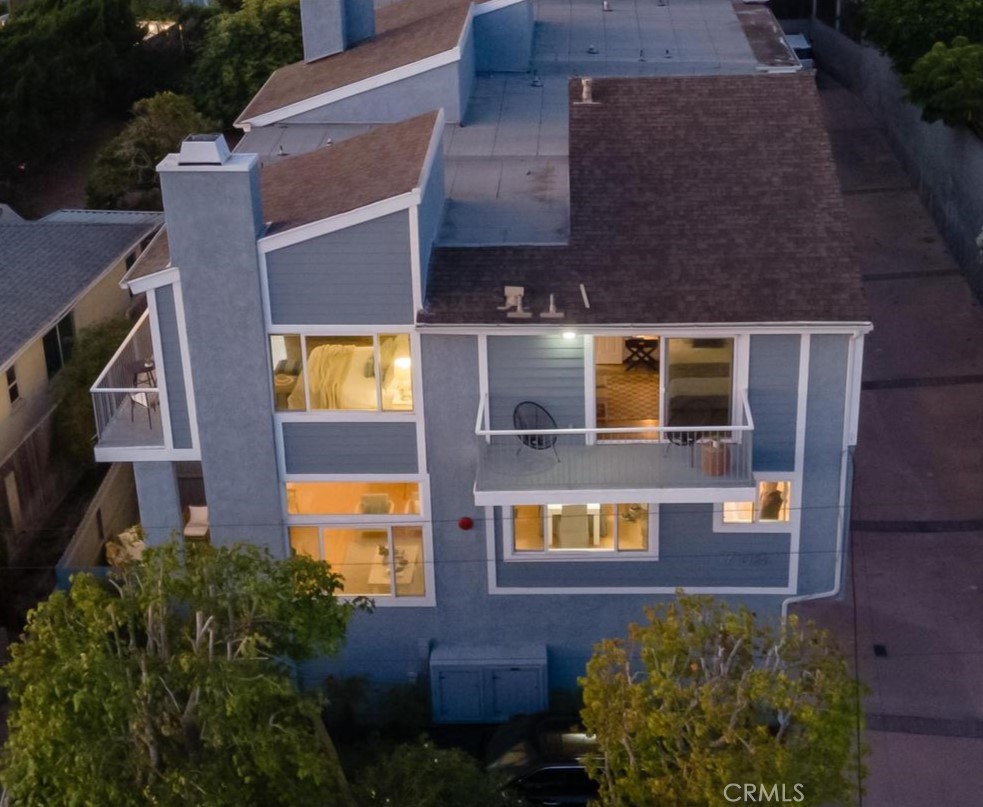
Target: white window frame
(786, 527)
(509, 553)
(391, 599)
(348, 414)
(298, 519)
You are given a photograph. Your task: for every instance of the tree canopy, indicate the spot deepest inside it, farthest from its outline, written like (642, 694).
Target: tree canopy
(168, 686)
(907, 29)
(62, 62)
(947, 82)
(125, 172)
(701, 696)
(74, 422)
(240, 51)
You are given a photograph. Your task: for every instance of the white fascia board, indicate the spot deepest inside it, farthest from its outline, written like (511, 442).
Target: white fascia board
(165, 277)
(357, 88)
(700, 330)
(707, 495)
(746, 591)
(495, 5)
(145, 454)
(360, 215)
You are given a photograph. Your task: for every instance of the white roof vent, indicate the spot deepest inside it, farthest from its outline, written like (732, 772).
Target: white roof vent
(203, 149)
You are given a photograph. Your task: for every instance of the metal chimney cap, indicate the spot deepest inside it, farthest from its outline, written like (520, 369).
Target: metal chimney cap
(203, 149)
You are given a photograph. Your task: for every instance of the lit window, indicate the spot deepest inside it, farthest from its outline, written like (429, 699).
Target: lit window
(583, 527)
(13, 390)
(349, 373)
(374, 562)
(770, 507)
(353, 498)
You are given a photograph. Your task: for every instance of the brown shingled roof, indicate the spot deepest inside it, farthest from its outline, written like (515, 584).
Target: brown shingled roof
(406, 32)
(155, 258)
(693, 200)
(377, 165)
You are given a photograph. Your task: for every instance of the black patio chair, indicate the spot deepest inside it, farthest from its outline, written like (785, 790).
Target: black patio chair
(530, 416)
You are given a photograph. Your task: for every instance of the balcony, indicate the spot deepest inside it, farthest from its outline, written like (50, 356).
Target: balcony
(125, 397)
(698, 463)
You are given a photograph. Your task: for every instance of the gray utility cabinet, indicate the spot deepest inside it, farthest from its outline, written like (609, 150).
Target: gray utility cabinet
(487, 683)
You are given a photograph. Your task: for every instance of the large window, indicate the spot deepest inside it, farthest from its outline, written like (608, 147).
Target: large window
(353, 498)
(58, 344)
(771, 507)
(559, 528)
(385, 561)
(348, 373)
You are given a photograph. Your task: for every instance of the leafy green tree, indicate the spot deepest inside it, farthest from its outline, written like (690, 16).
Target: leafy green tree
(167, 686)
(241, 50)
(125, 172)
(74, 422)
(947, 82)
(907, 29)
(62, 63)
(422, 775)
(701, 696)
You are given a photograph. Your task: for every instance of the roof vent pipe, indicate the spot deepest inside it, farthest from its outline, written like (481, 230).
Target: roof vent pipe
(587, 91)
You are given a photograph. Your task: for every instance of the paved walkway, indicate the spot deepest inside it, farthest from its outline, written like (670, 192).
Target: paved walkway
(914, 601)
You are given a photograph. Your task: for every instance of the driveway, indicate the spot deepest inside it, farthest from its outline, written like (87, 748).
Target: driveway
(913, 605)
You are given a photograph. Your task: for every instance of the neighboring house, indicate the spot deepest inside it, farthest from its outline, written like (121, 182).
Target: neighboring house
(58, 275)
(342, 349)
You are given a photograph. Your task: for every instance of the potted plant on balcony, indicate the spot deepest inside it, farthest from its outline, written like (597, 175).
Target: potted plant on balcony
(714, 456)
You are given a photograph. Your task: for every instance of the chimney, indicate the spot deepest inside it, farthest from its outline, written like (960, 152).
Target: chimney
(214, 215)
(331, 26)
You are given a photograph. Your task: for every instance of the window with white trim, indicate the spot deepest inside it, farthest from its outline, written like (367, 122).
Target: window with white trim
(553, 530)
(58, 343)
(375, 561)
(771, 507)
(367, 373)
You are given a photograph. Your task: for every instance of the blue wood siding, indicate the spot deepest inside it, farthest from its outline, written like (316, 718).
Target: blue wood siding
(690, 554)
(547, 369)
(398, 101)
(503, 38)
(828, 358)
(350, 448)
(177, 396)
(773, 384)
(359, 275)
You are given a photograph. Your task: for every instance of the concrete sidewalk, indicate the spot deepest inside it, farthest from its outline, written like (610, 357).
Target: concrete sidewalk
(914, 587)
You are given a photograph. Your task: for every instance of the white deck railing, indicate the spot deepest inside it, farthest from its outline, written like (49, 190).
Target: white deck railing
(612, 457)
(125, 397)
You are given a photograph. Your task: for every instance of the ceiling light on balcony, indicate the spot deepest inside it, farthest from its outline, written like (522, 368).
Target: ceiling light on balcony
(569, 335)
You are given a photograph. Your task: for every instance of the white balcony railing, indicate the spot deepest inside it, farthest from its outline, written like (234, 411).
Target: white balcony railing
(637, 457)
(125, 397)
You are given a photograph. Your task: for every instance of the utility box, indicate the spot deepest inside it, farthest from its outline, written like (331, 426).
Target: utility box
(487, 683)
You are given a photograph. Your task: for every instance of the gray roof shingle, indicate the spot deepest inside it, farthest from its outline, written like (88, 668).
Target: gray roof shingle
(692, 200)
(45, 266)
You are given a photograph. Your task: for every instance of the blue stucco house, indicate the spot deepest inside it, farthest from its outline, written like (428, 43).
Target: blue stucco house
(520, 315)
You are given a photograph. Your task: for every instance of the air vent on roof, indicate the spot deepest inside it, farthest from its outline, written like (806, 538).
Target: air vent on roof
(513, 299)
(586, 91)
(552, 313)
(203, 149)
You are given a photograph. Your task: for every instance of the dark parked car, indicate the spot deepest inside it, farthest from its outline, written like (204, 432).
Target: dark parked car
(541, 758)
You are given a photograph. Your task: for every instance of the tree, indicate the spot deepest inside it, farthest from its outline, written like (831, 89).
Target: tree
(74, 422)
(125, 172)
(907, 29)
(169, 685)
(702, 696)
(62, 62)
(947, 82)
(240, 51)
(422, 775)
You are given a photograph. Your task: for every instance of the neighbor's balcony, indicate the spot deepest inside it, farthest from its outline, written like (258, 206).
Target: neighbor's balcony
(125, 397)
(688, 459)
